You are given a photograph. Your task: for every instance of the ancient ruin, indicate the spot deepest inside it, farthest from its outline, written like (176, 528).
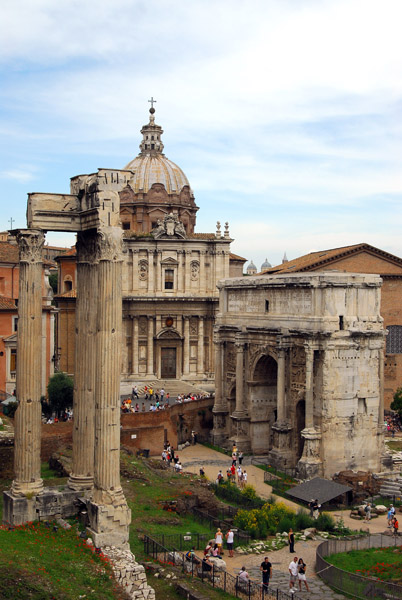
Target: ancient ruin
(299, 370)
(93, 213)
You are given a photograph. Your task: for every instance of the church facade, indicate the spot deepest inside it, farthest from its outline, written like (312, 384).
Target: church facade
(170, 272)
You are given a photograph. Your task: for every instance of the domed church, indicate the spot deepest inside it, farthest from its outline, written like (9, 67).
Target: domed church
(170, 272)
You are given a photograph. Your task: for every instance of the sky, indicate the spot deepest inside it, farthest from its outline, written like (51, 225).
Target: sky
(284, 115)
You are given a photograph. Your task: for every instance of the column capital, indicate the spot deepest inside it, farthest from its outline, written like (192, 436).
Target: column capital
(109, 244)
(87, 247)
(30, 244)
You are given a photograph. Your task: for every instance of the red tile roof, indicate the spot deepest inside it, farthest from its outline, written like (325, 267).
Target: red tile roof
(8, 253)
(7, 303)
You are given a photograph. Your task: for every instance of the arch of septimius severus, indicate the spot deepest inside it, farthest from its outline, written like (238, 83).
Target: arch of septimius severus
(96, 433)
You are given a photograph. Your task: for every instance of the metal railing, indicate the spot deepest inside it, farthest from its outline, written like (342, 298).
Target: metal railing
(241, 537)
(358, 586)
(218, 578)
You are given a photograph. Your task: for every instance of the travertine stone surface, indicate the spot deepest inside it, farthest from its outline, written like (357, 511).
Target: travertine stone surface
(312, 383)
(82, 475)
(29, 366)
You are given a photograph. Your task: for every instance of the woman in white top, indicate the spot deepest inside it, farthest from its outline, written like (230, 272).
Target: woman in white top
(229, 541)
(219, 540)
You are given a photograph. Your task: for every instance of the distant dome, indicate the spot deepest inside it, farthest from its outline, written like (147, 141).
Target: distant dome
(265, 265)
(251, 268)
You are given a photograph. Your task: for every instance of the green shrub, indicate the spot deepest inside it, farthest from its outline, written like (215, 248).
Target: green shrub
(249, 492)
(325, 522)
(303, 520)
(285, 524)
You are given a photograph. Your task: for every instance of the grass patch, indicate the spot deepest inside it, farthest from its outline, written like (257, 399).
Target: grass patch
(384, 564)
(395, 445)
(38, 563)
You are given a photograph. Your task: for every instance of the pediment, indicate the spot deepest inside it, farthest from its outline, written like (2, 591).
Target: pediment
(169, 261)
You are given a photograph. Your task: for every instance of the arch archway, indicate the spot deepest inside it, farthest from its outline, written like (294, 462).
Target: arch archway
(168, 346)
(262, 403)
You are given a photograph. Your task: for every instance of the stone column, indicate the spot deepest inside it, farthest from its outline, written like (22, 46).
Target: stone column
(381, 390)
(280, 389)
(150, 347)
(179, 271)
(134, 282)
(134, 345)
(187, 271)
(27, 424)
(151, 271)
(158, 286)
(82, 474)
(310, 464)
(219, 433)
(202, 287)
(239, 411)
(309, 387)
(186, 346)
(200, 361)
(108, 512)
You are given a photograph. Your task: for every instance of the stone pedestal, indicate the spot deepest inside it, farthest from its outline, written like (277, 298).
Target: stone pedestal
(27, 425)
(281, 455)
(241, 429)
(219, 434)
(310, 464)
(50, 503)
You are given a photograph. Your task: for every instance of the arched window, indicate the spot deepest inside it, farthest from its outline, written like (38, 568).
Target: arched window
(394, 339)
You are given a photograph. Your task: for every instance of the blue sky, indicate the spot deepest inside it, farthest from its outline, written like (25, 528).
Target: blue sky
(285, 115)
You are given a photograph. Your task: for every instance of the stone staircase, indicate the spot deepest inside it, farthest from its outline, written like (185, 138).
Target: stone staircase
(172, 386)
(391, 488)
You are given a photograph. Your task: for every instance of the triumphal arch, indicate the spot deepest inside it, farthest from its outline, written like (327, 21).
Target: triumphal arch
(94, 214)
(299, 370)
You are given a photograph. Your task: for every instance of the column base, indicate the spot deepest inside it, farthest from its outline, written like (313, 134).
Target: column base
(109, 524)
(51, 503)
(80, 483)
(26, 489)
(310, 464)
(281, 455)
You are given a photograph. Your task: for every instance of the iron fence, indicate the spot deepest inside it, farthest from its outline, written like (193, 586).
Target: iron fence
(241, 537)
(218, 578)
(358, 586)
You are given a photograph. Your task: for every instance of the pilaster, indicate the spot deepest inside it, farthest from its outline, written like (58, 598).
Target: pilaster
(150, 347)
(186, 346)
(200, 361)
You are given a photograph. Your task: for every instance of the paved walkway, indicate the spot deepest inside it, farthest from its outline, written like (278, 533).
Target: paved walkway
(193, 457)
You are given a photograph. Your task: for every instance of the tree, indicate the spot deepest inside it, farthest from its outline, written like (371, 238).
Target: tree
(397, 402)
(60, 392)
(53, 277)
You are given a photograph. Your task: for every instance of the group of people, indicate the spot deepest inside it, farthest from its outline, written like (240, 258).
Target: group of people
(297, 574)
(392, 521)
(393, 424)
(235, 473)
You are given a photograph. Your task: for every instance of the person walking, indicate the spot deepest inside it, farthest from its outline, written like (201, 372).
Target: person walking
(293, 573)
(229, 541)
(240, 457)
(395, 526)
(302, 574)
(266, 568)
(291, 538)
(367, 511)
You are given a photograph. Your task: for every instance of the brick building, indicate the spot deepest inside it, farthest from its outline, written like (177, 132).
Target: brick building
(9, 282)
(363, 258)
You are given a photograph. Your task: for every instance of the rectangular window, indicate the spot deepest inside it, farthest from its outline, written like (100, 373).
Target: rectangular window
(13, 362)
(266, 305)
(169, 279)
(15, 324)
(126, 225)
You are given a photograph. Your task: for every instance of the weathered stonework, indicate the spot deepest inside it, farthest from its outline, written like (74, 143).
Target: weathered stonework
(308, 381)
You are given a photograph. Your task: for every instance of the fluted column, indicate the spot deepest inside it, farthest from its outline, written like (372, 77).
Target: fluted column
(280, 390)
(200, 360)
(158, 286)
(150, 346)
(27, 424)
(108, 365)
(187, 271)
(239, 378)
(309, 387)
(134, 282)
(179, 270)
(186, 346)
(82, 474)
(134, 346)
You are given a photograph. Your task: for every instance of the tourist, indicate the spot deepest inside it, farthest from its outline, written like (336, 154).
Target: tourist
(239, 473)
(215, 550)
(207, 566)
(202, 472)
(192, 557)
(244, 477)
(164, 455)
(219, 478)
(291, 538)
(219, 540)
(293, 572)
(229, 541)
(266, 568)
(367, 510)
(240, 457)
(234, 459)
(162, 393)
(208, 549)
(193, 438)
(316, 509)
(134, 393)
(390, 516)
(243, 578)
(233, 472)
(302, 574)
(395, 526)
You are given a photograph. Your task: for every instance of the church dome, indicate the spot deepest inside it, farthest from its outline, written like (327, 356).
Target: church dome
(251, 269)
(265, 265)
(151, 165)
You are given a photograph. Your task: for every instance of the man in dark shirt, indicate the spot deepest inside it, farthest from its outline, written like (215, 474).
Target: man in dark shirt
(266, 569)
